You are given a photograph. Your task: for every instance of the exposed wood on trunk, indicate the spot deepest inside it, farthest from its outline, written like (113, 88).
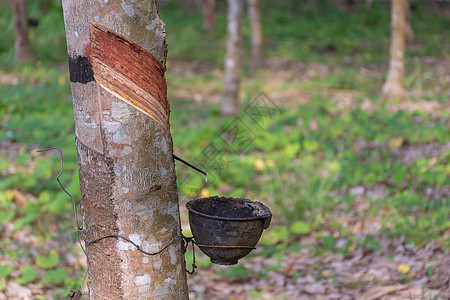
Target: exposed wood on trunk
(233, 59)
(256, 32)
(393, 87)
(23, 46)
(209, 15)
(127, 174)
(129, 72)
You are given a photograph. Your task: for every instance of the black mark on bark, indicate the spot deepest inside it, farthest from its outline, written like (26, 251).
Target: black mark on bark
(80, 69)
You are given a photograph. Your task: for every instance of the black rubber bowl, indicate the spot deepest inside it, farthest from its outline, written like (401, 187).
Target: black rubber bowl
(227, 229)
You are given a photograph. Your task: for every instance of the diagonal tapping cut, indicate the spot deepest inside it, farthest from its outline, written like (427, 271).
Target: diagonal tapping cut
(129, 72)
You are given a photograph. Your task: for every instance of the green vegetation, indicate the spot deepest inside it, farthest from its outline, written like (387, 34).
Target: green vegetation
(303, 160)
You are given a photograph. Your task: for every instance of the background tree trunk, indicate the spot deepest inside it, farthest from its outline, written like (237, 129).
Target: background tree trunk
(233, 59)
(23, 47)
(209, 15)
(433, 4)
(393, 87)
(257, 55)
(127, 174)
(409, 33)
(345, 5)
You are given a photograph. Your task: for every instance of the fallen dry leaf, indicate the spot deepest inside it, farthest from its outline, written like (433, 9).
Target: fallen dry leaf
(404, 268)
(395, 143)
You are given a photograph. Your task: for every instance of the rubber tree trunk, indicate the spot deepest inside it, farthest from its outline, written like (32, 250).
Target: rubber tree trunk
(233, 59)
(209, 15)
(117, 55)
(256, 32)
(23, 47)
(393, 87)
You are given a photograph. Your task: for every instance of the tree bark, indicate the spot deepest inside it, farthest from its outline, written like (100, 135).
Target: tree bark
(393, 87)
(23, 46)
(117, 53)
(233, 59)
(257, 55)
(209, 15)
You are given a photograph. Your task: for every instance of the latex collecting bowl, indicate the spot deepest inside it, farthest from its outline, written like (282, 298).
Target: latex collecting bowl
(227, 229)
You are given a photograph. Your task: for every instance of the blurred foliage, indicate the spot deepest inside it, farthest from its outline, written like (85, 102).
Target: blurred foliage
(47, 39)
(299, 30)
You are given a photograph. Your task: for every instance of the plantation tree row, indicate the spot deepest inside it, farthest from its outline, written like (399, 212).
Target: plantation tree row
(392, 89)
(400, 30)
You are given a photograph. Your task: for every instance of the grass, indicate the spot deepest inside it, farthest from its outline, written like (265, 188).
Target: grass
(301, 160)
